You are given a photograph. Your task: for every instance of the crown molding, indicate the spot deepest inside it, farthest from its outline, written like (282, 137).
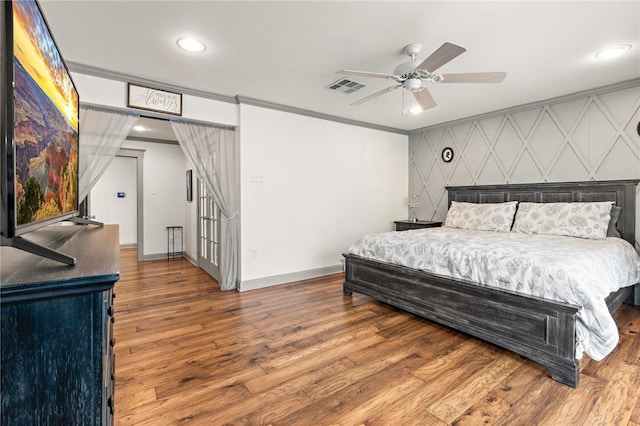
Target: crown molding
(308, 113)
(564, 98)
(128, 78)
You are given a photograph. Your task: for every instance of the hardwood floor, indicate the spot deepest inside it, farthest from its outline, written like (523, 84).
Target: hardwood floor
(303, 354)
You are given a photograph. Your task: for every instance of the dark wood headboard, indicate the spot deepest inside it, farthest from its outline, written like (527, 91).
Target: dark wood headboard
(622, 192)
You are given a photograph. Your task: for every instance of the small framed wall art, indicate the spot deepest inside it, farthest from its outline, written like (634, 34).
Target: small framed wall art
(141, 97)
(189, 185)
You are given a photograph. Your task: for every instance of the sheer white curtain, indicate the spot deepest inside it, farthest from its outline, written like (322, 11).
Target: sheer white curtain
(213, 152)
(102, 132)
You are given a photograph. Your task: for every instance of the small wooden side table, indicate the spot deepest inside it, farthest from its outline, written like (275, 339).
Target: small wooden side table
(405, 225)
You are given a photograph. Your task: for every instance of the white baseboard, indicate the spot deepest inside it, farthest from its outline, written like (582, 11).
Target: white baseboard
(288, 278)
(155, 256)
(158, 256)
(190, 259)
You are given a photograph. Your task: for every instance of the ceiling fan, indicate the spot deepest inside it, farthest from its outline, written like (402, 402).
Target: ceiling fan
(414, 77)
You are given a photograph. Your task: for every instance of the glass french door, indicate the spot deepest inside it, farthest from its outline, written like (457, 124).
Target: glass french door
(208, 233)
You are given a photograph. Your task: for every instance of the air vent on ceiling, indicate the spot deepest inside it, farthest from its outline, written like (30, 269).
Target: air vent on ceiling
(345, 86)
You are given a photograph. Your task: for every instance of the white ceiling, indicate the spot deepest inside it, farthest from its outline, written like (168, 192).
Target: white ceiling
(287, 52)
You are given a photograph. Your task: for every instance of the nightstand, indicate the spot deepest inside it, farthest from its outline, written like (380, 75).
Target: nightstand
(405, 225)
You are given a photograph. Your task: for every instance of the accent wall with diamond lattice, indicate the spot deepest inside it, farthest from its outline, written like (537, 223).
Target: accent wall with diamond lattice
(591, 136)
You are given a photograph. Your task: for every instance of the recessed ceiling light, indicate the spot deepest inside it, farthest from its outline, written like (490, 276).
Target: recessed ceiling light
(613, 51)
(139, 128)
(191, 44)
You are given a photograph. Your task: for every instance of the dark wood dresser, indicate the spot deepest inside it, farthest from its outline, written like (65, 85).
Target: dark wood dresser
(57, 365)
(405, 225)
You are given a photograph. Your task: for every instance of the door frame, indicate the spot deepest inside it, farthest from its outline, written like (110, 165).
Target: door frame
(138, 155)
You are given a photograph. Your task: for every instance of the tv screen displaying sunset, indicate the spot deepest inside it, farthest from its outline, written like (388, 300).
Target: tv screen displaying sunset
(45, 121)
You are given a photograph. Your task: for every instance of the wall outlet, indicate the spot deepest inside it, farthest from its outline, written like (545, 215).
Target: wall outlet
(253, 254)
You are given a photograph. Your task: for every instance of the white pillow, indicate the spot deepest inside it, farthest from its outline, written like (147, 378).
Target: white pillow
(481, 217)
(582, 220)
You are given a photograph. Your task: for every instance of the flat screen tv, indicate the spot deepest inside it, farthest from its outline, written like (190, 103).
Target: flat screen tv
(39, 129)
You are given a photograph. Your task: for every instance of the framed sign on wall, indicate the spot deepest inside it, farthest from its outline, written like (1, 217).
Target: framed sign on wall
(150, 99)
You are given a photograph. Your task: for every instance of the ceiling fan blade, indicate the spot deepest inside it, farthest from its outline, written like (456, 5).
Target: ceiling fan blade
(425, 99)
(367, 74)
(441, 56)
(474, 77)
(376, 94)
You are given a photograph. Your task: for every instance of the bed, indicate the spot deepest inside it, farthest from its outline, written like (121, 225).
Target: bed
(537, 328)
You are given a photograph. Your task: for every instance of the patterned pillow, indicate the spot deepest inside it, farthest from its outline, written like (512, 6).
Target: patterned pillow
(582, 220)
(481, 217)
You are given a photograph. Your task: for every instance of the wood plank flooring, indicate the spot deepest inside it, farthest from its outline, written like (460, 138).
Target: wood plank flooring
(303, 354)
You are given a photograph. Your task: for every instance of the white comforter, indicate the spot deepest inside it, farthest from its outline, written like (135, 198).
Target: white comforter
(574, 270)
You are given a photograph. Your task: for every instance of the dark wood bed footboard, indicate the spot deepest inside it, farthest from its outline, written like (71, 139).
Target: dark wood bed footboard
(538, 329)
(624, 295)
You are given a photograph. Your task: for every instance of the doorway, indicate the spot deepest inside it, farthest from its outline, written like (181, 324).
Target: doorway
(117, 198)
(208, 233)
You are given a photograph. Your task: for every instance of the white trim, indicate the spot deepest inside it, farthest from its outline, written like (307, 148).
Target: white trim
(117, 76)
(510, 110)
(127, 78)
(152, 140)
(157, 115)
(163, 256)
(288, 278)
(190, 259)
(321, 116)
(155, 256)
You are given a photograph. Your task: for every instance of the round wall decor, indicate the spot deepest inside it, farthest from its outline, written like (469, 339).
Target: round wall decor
(447, 154)
(638, 128)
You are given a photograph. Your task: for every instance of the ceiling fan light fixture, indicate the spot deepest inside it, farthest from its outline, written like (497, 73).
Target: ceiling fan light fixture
(413, 84)
(405, 68)
(415, 77)
(415, 109)
(191, 44)
(613, 51)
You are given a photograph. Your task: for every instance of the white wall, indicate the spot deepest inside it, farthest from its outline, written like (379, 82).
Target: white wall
(108, 208)
(590, 137)
(164, 192)
(322, 186)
